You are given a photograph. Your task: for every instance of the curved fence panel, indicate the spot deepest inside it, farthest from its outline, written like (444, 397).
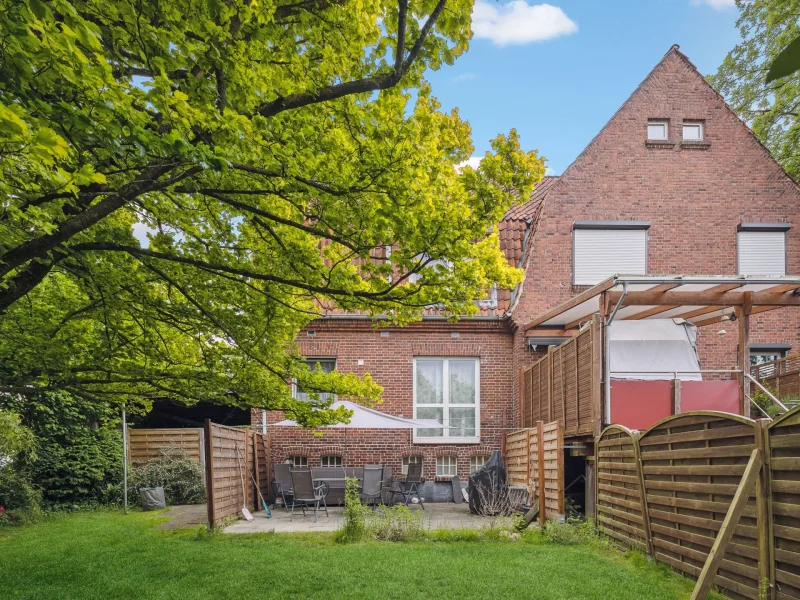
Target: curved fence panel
(619, 493)
(784, 461)
(692, 465)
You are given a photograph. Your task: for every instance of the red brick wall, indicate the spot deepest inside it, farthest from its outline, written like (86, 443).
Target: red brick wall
(389, 360)
(693, 198)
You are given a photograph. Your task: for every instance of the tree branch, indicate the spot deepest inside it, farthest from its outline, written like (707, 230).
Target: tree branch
(359, 86)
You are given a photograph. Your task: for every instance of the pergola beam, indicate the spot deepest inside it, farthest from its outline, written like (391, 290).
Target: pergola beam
(720, 299)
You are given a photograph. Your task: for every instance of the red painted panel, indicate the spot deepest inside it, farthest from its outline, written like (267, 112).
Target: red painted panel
(640, 404)
(710, 395)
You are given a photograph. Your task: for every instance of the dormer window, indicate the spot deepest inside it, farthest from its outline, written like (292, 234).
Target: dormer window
(692, 131)
(657, 130)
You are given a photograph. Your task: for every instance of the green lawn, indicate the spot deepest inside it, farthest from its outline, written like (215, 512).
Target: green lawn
(109, 555)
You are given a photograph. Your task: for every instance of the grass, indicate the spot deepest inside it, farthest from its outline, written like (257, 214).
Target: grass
(109, 555)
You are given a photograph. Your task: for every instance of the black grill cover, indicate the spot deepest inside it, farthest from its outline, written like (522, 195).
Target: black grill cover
(487, 489)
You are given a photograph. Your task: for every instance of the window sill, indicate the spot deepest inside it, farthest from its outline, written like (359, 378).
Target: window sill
(444, 478)
(696, 145)
(447, 441)
(660, 144)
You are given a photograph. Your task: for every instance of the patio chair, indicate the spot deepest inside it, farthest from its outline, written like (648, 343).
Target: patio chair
(282, 484)
(409, 488)
(372, 488)
(305, 493)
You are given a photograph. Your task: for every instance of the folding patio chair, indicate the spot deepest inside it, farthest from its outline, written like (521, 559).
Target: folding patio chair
(306, 493)
(409, 488)
(282, 484)
(372, 488)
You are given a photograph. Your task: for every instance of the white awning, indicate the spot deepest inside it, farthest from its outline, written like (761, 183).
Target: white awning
(366, 418)
(653, 350)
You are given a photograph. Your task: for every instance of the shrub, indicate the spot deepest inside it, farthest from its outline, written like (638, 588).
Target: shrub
(396, 524)
(355, 514)
(175, 471)
(19, 500)
(79, 455)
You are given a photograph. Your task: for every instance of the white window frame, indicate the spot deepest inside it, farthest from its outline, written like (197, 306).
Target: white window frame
(298, 458)
(451, 466)
(698, 124)
(414, 459)
(327, 459)
(446, 438)
(311, 362)
(658, 122)
(474, 460)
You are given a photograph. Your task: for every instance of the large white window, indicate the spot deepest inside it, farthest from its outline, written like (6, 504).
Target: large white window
(446, 466)
(692, 131)
(447, 390)
(326, 365)
(606, 248)
(762, 248)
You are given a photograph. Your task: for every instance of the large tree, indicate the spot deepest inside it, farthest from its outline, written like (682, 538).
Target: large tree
(284, 157)
(772, 110)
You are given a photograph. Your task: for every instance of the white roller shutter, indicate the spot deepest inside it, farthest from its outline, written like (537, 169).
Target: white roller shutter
(762, 252)
(601, 253)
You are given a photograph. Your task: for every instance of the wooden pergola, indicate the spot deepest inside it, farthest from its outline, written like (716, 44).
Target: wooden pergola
(701, 300)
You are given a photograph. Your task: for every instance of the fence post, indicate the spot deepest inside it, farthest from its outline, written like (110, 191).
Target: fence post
(207, 429)
(766, 571)
(676, 395)
(709, 572)
(637, 453)
(540, 460)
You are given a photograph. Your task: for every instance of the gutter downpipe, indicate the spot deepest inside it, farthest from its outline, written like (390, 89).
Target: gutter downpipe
(607, 352)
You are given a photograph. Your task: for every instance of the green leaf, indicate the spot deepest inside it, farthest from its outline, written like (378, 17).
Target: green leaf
(786, 63)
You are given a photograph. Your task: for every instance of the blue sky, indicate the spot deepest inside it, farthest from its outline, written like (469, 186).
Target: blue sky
(558, 71)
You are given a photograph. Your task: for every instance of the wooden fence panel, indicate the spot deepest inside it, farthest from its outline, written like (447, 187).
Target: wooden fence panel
(553, 449)
(523, 465)
(262, 468)
(518, 459)
(692, 464)
(784, 461)
(226, 450)
(564, 386)
(145, 444)
(620, 512)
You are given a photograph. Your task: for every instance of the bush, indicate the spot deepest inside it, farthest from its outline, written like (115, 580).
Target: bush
(176, 472)
(19, 500)
(396, 524)
(355, 514)
(79, 455)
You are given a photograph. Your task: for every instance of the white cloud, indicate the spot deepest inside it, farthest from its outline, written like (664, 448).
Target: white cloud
(464, 77)
(472, 161)
(549, 171)
(716, 4)
(519, 23)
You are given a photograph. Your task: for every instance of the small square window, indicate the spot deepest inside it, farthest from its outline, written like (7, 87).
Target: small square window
(692, 132)
(657, 130)
(298, 461)
(446, 466)
(409, 460)
(476, 462)
(331, 461)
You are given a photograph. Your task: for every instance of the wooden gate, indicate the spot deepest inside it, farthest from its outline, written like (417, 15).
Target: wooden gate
(538, 467)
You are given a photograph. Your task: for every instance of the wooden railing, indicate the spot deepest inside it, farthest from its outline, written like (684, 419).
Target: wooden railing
(782, 376)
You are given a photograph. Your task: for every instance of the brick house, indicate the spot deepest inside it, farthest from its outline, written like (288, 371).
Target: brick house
(674, 183)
